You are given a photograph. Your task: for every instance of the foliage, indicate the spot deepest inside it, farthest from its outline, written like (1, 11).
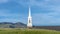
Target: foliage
(27, 31)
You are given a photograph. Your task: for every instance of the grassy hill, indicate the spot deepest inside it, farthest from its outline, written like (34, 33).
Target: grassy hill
(27, 31)
(12, 25)
(18, 28)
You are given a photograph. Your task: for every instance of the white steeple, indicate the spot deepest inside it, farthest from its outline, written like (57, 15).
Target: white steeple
(29, 25)
(29, 12)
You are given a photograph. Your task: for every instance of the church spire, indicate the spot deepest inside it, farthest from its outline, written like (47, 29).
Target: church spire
(29, 24)
(29, 12)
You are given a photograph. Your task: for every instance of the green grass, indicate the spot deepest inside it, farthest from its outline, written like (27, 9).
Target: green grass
(27, 31)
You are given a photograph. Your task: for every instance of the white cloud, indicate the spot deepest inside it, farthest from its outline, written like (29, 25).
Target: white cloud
(50, 5)
(5, 16)
(3, 1)
(24, 3)
(46, 19)
(45, 2)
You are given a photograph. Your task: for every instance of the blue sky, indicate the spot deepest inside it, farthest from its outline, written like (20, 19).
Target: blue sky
(44, 12)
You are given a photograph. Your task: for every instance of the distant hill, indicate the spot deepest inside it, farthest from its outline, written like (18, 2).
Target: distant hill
(22, 25)
(12, 25)
(48, 27)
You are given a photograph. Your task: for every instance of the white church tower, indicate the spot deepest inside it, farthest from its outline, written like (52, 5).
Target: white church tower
(29, 24)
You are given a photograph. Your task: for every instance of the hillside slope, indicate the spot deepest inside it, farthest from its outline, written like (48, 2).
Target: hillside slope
(12, 25)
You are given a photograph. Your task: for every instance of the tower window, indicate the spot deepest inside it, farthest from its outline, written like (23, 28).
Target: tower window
(29, 21)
